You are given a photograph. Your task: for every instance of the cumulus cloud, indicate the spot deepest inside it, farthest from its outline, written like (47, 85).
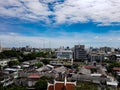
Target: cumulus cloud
(31, 10)
(103, 12)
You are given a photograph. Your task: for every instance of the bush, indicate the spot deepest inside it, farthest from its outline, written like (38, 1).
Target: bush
(15, 62)
(85, 86)
(41, 85)
(46, 61)
(38, 64)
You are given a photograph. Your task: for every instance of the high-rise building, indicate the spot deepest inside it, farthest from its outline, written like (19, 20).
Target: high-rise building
(80, 52)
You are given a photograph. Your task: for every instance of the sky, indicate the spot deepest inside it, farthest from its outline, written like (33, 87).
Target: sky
(55, 23)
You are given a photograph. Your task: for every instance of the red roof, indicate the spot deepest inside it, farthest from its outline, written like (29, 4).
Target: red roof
(70, 86)
(34, 75)
(51, 87)
(116, 69)
(61, 86)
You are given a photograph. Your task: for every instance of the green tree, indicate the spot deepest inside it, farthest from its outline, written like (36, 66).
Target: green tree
(16, 88)
(1, 86)
(46, 61)
(112, 65)
(11, 63)
(29, 56)
(48, 79)
(41, 85)
(2, 56)
(38, 64)
(85, 86)
(10, 53)
(33, 55)
(41, 54)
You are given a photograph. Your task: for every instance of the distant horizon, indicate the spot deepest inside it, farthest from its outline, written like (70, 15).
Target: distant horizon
(59, 47)
(57, 23)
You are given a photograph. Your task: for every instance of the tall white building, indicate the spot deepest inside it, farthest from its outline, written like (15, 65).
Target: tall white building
(64, 57)
(64, 54)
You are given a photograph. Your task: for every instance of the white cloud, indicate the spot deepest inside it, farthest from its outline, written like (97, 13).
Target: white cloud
(31, 10)
(104, 12)
(88, 39)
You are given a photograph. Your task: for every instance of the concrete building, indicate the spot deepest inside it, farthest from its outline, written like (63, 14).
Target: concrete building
(80, 52)
(107, 49)
(64, 54)
(97, 55)
(64, 57)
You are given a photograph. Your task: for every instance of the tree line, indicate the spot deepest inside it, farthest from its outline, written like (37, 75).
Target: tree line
(24, 57)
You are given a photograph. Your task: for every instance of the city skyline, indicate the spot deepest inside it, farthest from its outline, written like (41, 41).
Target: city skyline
(54, 23)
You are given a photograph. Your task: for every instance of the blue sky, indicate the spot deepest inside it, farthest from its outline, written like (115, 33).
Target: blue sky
(54, 23)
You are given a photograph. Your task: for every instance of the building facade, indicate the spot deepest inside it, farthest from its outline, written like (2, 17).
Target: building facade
(64, 54)
(64, 57)
(80, 52)
(97, 55)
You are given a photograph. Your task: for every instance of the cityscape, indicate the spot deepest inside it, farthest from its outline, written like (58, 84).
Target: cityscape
(58, 68)
(59, 45)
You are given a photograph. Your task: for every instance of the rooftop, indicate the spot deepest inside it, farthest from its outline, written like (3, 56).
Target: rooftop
(34, 75)
(116, 69)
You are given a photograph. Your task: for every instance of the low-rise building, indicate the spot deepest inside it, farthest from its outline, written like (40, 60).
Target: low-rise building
(33, 78)
(12, 71)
